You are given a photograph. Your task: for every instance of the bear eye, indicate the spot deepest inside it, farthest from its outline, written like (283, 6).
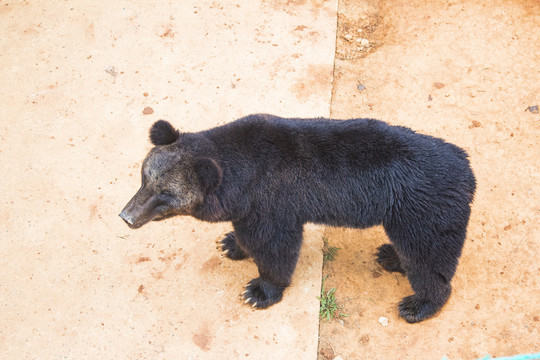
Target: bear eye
(165, 193)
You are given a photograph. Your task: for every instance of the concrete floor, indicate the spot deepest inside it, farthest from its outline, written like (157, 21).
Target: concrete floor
(80, 85)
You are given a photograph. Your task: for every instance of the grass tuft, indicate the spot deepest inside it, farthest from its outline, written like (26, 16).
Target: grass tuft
(329, 252)
(329, 306)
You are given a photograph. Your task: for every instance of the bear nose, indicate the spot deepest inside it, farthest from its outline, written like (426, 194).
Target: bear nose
(127, 218)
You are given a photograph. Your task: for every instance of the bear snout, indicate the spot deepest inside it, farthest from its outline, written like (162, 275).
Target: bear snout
(127, 218)
(133, 215)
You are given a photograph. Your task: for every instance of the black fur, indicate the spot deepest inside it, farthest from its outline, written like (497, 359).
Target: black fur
(261, 293)
(208, 173)
(277, 174)
(388, 258)
(231, 249)
(163, 133)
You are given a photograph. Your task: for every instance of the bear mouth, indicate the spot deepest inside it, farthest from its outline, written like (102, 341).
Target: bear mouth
(141, 222)
(134, 222)
(160, 217)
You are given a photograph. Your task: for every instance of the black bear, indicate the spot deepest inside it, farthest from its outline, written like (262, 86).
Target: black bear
(269, 176)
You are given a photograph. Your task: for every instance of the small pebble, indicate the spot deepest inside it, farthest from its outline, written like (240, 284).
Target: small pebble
(361, 87)
(364, 42)
(438, 85)
(111, 71)
(338, 358)
(383, 321)
(348, 37)
(533, 109)
(475, 124)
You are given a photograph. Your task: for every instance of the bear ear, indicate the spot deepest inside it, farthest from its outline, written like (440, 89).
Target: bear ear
(163, 133)
(209, 174)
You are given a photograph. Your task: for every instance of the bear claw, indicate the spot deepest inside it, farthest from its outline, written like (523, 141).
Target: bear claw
(413, 309)
(230, 248)
(262, 294)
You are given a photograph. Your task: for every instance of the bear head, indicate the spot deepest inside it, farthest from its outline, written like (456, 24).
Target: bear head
(176, 177)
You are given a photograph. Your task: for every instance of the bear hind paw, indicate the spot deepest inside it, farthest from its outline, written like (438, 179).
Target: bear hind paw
(388, 258)
(413, 309)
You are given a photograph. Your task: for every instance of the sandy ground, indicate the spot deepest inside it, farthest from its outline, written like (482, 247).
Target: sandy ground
(82, 82)
(466, 72)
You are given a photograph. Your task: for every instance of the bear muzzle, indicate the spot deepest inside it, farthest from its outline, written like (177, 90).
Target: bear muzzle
(130, 221)
(140, 209)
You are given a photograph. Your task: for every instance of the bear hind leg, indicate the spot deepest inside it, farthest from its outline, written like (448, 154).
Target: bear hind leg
(230, 247)
(429, 257)
(432, 291)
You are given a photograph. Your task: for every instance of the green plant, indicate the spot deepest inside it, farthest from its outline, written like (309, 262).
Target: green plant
(329, 252)
(329, 307)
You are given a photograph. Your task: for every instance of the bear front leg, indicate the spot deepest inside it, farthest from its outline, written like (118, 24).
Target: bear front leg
(262, 293)
(276, 257)
(230, 247)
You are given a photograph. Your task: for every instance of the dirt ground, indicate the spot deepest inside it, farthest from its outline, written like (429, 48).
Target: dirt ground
(81, 83)
(467, 72)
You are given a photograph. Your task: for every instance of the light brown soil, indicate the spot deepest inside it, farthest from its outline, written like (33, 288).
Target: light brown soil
(81, 83)
(466, 72)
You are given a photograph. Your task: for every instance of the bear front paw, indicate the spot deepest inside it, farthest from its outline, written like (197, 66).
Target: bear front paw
(261, 294)
(414, 309)
(230, 248)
